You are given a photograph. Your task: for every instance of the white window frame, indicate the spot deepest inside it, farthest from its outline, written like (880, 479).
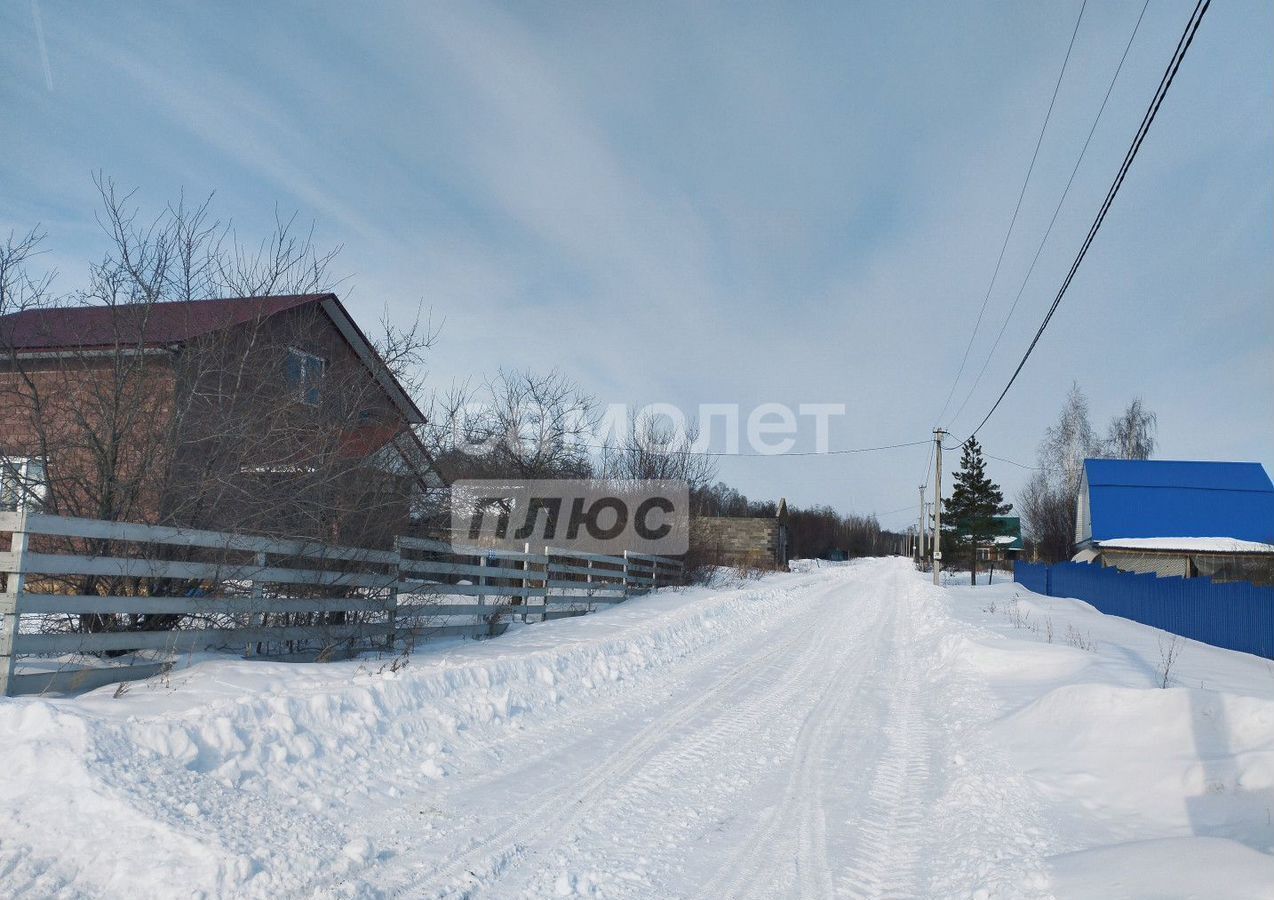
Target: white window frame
(24, 483)
(308, 380)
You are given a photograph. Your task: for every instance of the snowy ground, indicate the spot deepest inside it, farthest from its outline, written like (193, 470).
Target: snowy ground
(841, 731)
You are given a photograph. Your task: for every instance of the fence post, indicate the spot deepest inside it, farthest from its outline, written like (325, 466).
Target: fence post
(526, 581)
(548, 576)
(391, 602)
(9, 613)
(626, 575)
(258, 599)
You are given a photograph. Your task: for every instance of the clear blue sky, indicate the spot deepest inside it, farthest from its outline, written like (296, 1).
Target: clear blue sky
(712, 203)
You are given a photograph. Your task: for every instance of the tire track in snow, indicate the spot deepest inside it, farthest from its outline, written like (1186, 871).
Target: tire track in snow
(891, 828)
(887, 830)
(733, 733)
(554, 809)
(852, 705)
(795, 829)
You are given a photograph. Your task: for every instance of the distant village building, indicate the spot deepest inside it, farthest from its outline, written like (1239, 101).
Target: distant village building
(1006, 546)
(763, 541)
(1189, 519)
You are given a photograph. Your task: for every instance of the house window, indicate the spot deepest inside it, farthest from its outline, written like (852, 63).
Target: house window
(304, 373)
(23, 485)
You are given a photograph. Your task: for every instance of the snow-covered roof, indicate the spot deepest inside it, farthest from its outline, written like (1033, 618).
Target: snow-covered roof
(1188, 544)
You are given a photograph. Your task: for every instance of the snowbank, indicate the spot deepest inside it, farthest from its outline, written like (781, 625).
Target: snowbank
(264, 747)
(1150, 761)
(1177, 868)
(1152, 792)
(844, 729)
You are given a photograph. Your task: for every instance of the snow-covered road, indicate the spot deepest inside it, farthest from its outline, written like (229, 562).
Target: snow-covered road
(798, 758)
(847, 731)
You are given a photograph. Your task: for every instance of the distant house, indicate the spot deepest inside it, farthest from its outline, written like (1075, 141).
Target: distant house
(1006, 546)
(264, 413)
(763, 541)
(1177, 518)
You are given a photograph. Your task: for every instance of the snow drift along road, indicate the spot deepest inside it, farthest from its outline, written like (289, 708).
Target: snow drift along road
(843, 731)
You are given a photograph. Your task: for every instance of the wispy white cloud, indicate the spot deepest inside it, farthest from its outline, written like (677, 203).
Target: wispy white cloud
(710, 202)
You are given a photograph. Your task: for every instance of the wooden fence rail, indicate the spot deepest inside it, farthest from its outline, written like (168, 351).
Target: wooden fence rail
(87, 603)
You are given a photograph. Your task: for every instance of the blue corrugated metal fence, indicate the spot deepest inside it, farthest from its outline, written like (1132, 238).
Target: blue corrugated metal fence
(1236, 615)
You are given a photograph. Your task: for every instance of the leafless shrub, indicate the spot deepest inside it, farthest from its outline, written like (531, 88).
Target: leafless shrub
(398, 663)
(1017, 617)
(1169, 651)
(1080, 640)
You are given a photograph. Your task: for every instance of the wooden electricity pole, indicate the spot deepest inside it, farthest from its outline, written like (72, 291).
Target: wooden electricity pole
(938, 435)
(920, 529)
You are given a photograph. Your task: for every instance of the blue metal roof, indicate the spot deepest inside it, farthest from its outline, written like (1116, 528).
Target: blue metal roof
(1168, 498)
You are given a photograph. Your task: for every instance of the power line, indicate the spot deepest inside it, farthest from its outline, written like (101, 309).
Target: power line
(1049, 230)
(718, 453)
(1183, 45)
(1016, 209)
(1003, 459)
(894, 512)
(1013, 462)
(928, 464)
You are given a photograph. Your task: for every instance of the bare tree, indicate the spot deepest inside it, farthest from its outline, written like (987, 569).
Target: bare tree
(655, 448)
(1048, 502)
(1132, 433)
(520, 424)
(540, 424)
(214, 431)
(1048, 514)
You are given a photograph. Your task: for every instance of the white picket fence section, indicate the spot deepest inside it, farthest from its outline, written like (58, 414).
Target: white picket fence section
(89, 602)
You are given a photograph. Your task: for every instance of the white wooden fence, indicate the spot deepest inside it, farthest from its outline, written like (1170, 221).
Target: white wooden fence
(88, 602)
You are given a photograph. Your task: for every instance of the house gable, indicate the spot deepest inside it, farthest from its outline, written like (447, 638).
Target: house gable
(156, 327)
(1168, 498)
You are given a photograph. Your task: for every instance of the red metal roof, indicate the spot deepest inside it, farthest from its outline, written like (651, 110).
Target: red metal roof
(174, 322)
(148, 324)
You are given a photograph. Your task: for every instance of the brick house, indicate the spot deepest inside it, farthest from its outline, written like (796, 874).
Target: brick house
(271, 414)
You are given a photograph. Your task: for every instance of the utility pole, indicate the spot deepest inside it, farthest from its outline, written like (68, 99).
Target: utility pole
(929, 526)
(920, 529)
(938, 435)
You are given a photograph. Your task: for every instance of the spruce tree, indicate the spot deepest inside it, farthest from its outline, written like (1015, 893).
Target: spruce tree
(975, 502)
